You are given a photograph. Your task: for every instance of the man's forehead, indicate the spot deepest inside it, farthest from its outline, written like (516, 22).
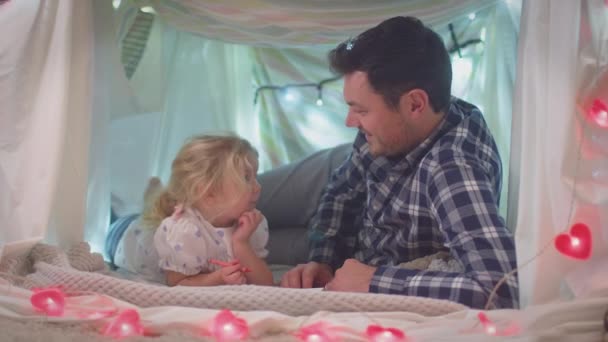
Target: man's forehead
(356, 85)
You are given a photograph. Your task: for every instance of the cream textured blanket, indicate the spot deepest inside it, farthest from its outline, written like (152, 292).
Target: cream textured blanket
(580, 319)
(79, 270)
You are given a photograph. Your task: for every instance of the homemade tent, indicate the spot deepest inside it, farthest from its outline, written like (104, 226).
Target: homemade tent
(95, 98)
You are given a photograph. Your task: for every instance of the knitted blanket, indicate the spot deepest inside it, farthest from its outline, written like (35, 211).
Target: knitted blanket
(80, 270)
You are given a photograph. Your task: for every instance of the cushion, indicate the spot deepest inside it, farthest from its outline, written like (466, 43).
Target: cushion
(289, 199)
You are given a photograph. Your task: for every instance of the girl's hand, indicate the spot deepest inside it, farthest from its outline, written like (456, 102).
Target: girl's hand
(233, 274)
(248, 222)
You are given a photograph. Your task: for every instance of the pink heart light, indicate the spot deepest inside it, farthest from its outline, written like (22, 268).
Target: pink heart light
(488, 326)
(577, 243)
(127, 323)
(598, 113)
(317, 332)
(491, 329)
(227, 327)
(378, 333)
(51, 301)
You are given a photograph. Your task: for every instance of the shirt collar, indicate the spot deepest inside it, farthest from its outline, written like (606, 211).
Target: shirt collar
(401, 163)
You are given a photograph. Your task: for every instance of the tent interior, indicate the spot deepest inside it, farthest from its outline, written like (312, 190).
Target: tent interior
(96, 97)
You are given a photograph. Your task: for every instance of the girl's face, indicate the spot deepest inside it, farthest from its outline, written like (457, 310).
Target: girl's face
(246, 200)
(234, 200)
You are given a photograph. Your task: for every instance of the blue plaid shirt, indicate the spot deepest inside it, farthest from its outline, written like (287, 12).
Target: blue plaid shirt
(441, 196)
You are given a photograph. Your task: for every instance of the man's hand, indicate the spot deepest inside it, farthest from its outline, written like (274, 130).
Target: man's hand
(307, 275)
(353, 276)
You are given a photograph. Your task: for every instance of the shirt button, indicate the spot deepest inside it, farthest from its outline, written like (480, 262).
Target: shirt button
(391, 178)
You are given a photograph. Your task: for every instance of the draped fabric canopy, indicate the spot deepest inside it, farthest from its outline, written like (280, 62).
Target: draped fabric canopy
(284, 24)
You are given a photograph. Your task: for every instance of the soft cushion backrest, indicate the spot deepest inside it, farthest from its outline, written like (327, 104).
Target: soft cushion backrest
(289, 198)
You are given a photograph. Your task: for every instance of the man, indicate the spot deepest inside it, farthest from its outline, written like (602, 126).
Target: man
(424, 176)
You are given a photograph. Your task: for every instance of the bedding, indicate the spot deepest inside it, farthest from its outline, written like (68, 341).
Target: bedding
(79, 270)
(421, 319)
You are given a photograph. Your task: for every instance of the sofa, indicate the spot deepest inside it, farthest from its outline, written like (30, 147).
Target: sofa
(289, 199)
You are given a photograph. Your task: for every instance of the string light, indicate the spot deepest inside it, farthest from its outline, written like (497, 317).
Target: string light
(319, 95)
(50, 301)
(287, 89)
(489, 327)
(576, 243)
(378, 333)
(148, 9)
(598, 113)
(318, 332)
(125, 324)
(225, 327)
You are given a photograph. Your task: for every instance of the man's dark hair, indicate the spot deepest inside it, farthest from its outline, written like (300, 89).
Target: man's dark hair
(398, 55)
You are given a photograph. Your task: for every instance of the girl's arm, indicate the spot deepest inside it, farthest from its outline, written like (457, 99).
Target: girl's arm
(201, 279)
(260, 273)
(227, 275)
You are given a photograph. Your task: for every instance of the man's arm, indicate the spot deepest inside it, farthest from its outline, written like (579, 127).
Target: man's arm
(465, 205)
(334, 227)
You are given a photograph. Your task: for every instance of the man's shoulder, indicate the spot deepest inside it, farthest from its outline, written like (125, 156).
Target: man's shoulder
(465, 123)
(467, 119)
(466, 139)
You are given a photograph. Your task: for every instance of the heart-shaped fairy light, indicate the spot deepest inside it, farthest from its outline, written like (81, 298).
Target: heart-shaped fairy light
(126, 324)
(227, 327)
(51, 301)
(576, 243)
(318, 332)
(488, 325)
(598, 113)
(490, 328)
(378, 333)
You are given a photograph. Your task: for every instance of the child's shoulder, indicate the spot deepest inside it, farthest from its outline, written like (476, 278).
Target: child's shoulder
(184, 221)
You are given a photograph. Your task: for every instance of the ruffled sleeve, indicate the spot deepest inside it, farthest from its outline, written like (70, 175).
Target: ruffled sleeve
(182, 246)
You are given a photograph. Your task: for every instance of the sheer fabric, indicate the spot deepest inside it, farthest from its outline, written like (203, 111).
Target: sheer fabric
(295, 23)
(553, 146)
(45, 118)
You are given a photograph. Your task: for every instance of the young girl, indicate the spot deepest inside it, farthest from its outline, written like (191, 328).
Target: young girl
(208, 230)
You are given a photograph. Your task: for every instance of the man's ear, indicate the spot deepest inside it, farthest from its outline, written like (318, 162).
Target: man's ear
(415, 102)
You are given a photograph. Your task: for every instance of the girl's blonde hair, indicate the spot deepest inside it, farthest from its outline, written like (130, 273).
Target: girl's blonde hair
(201, 167)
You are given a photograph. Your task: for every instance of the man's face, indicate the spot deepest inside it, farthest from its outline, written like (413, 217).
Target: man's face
(386, 129)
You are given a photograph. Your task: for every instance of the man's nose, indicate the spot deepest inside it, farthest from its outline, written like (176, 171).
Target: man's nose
(351, 120)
